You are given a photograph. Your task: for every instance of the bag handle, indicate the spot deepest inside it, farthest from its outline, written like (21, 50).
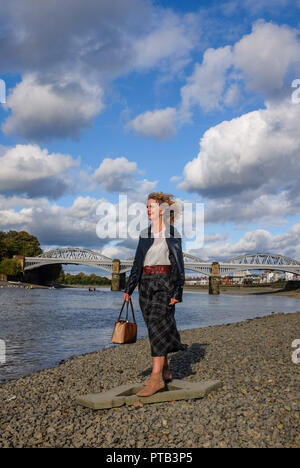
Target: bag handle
(127, 310)
(131, 309)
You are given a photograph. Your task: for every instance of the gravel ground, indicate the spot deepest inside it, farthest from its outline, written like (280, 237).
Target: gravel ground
(258, 405)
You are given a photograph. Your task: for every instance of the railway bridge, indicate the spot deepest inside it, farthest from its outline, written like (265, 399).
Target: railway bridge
(118, 268)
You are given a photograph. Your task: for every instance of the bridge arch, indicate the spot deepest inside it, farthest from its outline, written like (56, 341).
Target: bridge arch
(260, 261)
(264, 259)
(72, 256)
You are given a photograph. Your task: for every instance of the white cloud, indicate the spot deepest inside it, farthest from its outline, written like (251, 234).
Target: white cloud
(40, 111)
(109, 38)
(97, 37)
(248, 167)
(53, 224)
(171, 39)
(217, 80)
(30, 170)
(58, 226)
(117, 252)
(115, 175)
(233, 95)
(256, 241)
(120, 175)
(75, 225)
(256, 6)
(266, 55)
(62, 90)
(252, 206)
(159, 124)
(206, 85)
(258, 149)
(175, 178)
(215, 237)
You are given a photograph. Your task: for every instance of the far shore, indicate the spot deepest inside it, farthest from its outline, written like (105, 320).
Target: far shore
(273, 290)
(55, 285)
(20, 284)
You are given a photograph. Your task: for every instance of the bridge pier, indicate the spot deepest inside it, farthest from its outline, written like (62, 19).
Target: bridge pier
(118, 279)
(214, 279)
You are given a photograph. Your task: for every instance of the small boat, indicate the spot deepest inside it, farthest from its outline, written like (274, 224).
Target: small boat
(92, 289)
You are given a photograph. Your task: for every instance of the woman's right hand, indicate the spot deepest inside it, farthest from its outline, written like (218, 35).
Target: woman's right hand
(126, 297)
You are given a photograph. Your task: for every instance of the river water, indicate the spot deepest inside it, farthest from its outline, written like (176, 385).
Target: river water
(41, 327)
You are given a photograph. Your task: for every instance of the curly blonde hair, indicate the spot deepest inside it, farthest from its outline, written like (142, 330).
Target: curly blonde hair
(174, 211)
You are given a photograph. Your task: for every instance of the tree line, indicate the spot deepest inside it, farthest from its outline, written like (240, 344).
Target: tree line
(25, 244)
(83, 279)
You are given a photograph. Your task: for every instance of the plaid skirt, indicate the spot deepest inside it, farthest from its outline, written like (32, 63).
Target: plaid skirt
(155, 292)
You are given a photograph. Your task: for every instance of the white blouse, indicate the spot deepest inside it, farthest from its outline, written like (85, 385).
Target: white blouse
(158, 254)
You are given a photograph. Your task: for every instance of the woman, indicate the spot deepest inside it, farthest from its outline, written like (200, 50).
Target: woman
(158, 269)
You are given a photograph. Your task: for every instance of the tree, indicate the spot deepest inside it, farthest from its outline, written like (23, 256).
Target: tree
(10, 267)
(3, 246)
(18, 243)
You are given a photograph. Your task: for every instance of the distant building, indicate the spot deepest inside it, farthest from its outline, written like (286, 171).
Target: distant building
(198, 281)
(269, 276)
(226, 280)
(204, 280)
(291, 276)
(239, 276)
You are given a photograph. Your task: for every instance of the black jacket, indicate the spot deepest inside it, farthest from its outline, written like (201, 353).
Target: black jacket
(175, 256)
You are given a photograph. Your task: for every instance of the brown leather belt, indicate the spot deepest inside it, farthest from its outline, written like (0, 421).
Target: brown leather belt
(150, 269)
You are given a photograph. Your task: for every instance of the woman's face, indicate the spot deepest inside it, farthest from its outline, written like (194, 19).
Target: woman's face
(153, 209)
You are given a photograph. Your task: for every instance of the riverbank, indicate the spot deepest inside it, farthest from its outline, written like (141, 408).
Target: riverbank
(85, 286)
(268, 290)
(258, 405)
(20, 284)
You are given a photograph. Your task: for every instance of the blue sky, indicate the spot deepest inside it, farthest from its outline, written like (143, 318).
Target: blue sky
(133, 96)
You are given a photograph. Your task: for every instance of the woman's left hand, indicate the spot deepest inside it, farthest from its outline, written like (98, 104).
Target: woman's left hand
(173, 300)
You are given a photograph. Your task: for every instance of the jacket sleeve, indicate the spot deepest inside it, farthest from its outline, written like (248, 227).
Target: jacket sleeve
(180, 276)
(133, 277)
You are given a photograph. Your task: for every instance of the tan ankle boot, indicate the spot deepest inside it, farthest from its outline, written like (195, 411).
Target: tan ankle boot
(155, 384)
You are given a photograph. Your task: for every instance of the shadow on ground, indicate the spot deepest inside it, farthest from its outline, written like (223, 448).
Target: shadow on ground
(182, 361)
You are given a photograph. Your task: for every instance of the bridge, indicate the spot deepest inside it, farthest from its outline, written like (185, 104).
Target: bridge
(75, 256)
(118, 268)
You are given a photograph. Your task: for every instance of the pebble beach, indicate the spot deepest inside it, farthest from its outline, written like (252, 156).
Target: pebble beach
(257, 405)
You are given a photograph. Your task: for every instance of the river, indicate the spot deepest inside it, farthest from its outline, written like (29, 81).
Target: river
(41, 327)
